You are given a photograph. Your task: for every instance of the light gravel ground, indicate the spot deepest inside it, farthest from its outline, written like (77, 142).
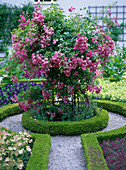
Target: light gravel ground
(66, 152)
(13, 123)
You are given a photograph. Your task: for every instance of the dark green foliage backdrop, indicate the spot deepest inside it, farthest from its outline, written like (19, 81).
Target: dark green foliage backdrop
(9, 16)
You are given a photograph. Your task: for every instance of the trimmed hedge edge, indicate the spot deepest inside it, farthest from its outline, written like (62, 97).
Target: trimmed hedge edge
(112, 79)
(90, 142)
(10, 109)
(2, 84)
(93, 153)
(94, 124)
(40, 151)
(58, 128)
(116, 107)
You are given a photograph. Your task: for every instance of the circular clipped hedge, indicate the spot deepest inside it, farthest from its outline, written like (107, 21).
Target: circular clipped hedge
(94, 124)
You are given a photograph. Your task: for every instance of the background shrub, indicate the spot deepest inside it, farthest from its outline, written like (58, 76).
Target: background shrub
(9, 16)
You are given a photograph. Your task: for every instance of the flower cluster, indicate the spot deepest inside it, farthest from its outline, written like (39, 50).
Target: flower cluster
(14, 79)
(71, 9)
(68, 60)
(81, 43)
(114, 153)
(14, 148)
(9, 92)
(33, 39)
(51, 114)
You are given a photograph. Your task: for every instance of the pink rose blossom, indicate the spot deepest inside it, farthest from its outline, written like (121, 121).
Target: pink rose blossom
(71, 9)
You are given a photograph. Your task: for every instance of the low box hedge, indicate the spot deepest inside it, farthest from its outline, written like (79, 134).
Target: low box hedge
(116, 107)
(94, 124)
(40, 151)
(32, 80)
(3, 84)
(93, 153)
(112, 79)
(66, 128)
(21, 80)
(90, 142)
(10, 109)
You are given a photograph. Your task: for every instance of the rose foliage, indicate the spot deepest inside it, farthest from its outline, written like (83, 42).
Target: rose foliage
(65, 50)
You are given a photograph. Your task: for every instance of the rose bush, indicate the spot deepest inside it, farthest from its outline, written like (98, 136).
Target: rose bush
(67, 52)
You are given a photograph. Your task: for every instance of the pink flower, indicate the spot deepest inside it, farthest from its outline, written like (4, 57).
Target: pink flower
(7, 159)
(51, 114)
(55, 41)
(60, 45)
(77, 87)
(12, 80)
(46, 94)
(6, 68)
(98, 90)
(16, 78)
(71, 92)
(75, 73)
(60, 86)
(58, 94)
(71, 9)
(65, 99)
(61, 111)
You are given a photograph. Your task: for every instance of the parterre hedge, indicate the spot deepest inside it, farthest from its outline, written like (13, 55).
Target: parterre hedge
(93, 153)
(21, 80)
(94, 124)
(90, 142)
(40, 151)
(66, 128)
(32, 80)
(112, 79)
(10, 109)
(116, 107)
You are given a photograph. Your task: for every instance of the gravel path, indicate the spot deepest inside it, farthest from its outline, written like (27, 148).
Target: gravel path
(69, 150)
(66, 152)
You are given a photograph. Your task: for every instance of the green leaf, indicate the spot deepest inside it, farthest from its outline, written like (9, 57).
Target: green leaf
(7, 80)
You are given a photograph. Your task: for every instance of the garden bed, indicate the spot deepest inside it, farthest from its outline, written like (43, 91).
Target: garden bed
(40, 151)
(114, 91)
(115, 153)
(66, 128)
(90, 142)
